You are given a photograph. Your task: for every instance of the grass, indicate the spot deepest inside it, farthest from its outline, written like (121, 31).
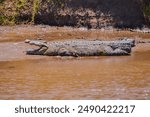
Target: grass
(12, 17)
(35, 9)
(20, 4)
(15, 12)
(11, 20)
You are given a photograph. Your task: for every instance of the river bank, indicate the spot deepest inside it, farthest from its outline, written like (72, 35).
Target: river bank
(12, 37)
(41, 77)
(76, 13)
(21, 32)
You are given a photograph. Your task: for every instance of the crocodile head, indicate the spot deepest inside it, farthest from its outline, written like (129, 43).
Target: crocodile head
(42, 47)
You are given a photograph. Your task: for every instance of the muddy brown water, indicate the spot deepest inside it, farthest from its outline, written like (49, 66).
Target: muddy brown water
(41, 77)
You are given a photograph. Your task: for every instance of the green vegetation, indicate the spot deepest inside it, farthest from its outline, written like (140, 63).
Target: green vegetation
(58, 3)
(2, 20)
(147, 11)
(145, 5)
(2, 1)
(20, 4)
(35, 9)
(8, 16)
(13, 12)
(7, 20)
(27, 11)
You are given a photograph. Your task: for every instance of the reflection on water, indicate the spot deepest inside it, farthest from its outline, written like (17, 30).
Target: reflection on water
(125, 77)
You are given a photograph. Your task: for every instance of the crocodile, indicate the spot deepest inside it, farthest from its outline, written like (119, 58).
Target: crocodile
(81, 47)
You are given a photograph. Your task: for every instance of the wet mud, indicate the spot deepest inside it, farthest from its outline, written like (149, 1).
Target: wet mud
(42, 77)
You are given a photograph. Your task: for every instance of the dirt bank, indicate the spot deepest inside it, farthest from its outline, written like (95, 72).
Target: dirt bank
(87, 13)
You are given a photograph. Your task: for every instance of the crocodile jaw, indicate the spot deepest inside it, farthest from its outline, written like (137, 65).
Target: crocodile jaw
(32, 51)
(39, 51)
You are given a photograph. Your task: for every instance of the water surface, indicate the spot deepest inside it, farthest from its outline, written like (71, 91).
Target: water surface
(41, 77)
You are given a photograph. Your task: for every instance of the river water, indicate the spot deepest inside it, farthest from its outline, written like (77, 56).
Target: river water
(41, 77)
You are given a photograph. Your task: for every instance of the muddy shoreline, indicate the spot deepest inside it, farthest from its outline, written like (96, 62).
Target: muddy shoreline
(12, 38)
(43, 77)
(21, 32)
